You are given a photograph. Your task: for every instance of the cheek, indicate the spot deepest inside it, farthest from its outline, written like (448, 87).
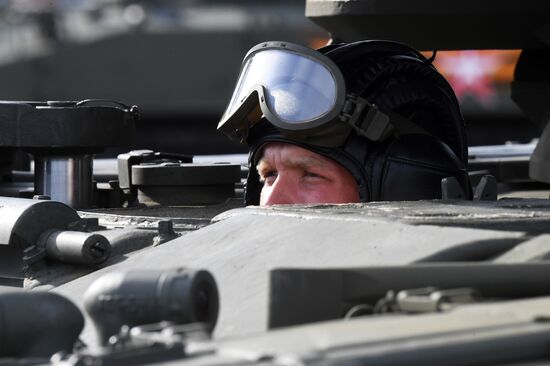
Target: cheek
(348, 190)
(351, 194)
(341, 191)
(323, 194)
(264, 194)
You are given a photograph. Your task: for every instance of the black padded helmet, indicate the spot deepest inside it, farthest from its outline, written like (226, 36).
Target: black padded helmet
(410, 164)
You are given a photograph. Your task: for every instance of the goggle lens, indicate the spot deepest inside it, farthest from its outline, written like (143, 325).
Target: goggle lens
(298, 89)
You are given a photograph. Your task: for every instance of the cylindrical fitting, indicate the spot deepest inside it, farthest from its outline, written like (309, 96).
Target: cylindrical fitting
(76, 247)
(67, 179)
(136, 298)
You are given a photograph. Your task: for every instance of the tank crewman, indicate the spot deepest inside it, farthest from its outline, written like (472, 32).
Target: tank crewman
(357, 122)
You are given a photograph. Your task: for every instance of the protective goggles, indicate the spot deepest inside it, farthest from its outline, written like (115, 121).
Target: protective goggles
(303, 94)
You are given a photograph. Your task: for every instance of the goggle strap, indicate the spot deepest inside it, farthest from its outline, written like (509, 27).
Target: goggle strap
(369, 121)
(366, 119)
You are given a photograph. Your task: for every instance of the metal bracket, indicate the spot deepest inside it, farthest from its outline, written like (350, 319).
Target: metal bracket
(136, 157)
(432, 299)
(165, 232)
(486, 190)
(451, 189)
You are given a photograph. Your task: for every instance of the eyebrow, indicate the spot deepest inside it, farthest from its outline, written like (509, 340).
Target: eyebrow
(303, 162)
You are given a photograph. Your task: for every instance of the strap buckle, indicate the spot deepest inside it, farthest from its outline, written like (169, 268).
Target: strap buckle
(366, 119)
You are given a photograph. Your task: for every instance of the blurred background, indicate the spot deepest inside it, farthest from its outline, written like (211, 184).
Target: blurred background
(178, 61)
(481, 80)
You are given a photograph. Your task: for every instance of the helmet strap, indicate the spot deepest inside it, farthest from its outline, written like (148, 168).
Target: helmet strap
(369, 121)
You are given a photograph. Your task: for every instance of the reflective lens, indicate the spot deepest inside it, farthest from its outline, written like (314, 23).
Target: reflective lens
(298, 89)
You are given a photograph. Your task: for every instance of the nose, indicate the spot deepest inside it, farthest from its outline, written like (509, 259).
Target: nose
(282, 191)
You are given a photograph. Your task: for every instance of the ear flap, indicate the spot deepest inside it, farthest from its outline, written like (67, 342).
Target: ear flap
(412, 167)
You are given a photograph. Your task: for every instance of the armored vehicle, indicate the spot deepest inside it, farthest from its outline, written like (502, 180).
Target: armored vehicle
(158, 263)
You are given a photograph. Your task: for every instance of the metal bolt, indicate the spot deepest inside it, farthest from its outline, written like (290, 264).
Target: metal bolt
(41, 197)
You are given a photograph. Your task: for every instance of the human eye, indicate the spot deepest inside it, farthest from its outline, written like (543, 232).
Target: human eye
(268, 176)
(313, 175)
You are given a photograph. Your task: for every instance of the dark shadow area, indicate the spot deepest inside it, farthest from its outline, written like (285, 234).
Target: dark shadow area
(478, 250)
(195, 135)
(497, 130)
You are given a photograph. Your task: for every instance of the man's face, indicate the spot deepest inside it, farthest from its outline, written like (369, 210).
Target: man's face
(292, 174)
